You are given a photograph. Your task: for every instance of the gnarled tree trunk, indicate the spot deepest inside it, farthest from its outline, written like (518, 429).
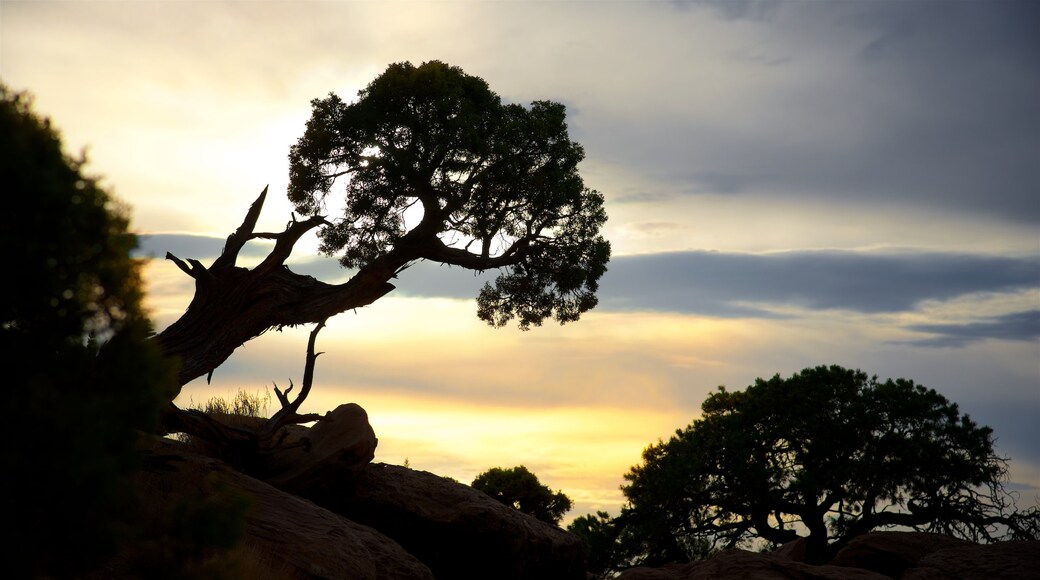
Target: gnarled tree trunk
(233, 305)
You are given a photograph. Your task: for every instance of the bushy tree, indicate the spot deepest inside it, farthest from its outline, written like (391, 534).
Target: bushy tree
(599, 535)
(81, 377)
(427, 164)
(827, 453)
(518, 488)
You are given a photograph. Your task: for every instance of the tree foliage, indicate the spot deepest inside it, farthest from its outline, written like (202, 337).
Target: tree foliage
(518, 488)
(600, 536)
(493, 185)
(82, 378)
(433, 167)
(829, 453)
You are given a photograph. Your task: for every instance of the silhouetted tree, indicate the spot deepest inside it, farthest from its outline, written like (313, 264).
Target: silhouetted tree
(518, 488)
(828, 453)
(600, 535)
(80, 376)
(490, 185)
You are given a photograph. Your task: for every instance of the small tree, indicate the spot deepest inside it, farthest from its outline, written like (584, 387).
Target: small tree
(599, 535)
(518, 488)
(828, 453)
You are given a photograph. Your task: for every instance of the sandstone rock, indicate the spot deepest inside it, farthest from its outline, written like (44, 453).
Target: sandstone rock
(335, 446)
(793, 550)
(285, 536)
(1004, 560)
(892, 553)
(742, 565)
(454, 529)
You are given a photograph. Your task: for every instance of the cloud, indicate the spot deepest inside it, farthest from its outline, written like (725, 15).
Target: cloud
(741, 285)
(722, 284)
(203, 248)
(1014, 326)
(903, 104)
(727, 284)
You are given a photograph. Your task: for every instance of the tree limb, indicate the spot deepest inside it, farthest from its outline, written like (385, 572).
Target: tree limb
(243, 234)
(289, 414)
(232, 305)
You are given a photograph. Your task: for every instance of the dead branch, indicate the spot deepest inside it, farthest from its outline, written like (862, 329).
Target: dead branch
(289, 413)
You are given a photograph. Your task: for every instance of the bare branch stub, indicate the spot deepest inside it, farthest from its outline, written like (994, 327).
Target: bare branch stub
(289, 414)
(243, 234)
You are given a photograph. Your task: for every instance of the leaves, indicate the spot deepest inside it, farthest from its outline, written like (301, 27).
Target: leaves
(517, 487)
(497, 185)
(830, 449)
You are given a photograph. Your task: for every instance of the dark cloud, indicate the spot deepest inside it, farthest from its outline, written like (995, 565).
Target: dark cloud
(1014, 326)
(734, 9)
(739, 285)
(748, 285)
(930, 104)
(203, 248)
(726, 284)
(207, 248)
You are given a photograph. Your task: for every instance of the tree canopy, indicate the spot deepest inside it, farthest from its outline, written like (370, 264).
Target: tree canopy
(827, 453)
(433, 166)
(518, 488)
(599, 535)
(81, 376)
(493, 185)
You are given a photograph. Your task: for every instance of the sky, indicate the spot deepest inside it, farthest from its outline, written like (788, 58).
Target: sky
(789, 184)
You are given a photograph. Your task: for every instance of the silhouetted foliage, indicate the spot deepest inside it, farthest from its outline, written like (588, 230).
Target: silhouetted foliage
(599, 535)
(497, 185)
(518, 488)
(81, 377)
(829, 453)
(434, 167)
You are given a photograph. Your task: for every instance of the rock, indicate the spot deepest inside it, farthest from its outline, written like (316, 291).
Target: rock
(1004, 560)
(742, 565)
(284, 536)
(793, 550)
(330, 450)
(892, 553)
(457, 531)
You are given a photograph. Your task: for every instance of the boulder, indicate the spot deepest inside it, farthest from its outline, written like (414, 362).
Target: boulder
(1004, 560)
(793, 550)
(330, 450)
(741, 564)
(892, 553)
(457, 531)
(284, 536)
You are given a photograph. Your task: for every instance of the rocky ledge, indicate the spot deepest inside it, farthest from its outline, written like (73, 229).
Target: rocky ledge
(323, 510)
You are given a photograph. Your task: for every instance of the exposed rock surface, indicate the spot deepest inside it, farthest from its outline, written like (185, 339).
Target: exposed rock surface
(457, 531)
(1006, 560)
(333, 449)
(744, 565)
(874, 556)
(793, 550)
(892, 553)
(393, 523)
(285, 536)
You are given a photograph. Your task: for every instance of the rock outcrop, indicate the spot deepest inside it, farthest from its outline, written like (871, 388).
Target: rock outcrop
(743, 565)
(284, 536)
(457, 531)
(384, 522)
(1005, 560)
(873, 556)
(330, 451)
(892, 553)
